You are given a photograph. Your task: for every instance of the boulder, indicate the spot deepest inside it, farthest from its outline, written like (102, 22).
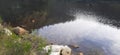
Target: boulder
(20, 31)
(58, 50)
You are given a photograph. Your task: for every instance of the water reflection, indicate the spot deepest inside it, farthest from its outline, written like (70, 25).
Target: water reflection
(93, 37)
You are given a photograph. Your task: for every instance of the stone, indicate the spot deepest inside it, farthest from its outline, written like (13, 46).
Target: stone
(7, 31)
(19, 31)
(74, 46)
(58, 49)
(65, 51)
(81, 53)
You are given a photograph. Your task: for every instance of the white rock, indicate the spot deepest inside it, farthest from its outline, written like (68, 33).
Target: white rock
(7, 31)
(58, 49)
(54, 53)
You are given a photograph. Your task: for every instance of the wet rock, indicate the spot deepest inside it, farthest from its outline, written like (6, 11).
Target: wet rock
(58, 50)
(20, 31)
(74, 46)
(50, 43)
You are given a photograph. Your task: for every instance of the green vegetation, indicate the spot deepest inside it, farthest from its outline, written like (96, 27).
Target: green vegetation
(0, 19)
(20, 45)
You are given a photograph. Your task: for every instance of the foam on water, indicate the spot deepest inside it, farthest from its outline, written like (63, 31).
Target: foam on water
(85, 29)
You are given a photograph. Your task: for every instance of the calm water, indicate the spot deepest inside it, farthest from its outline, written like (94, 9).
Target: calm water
(93, 37)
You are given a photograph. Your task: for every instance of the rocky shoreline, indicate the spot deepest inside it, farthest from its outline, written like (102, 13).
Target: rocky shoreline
(23, 35)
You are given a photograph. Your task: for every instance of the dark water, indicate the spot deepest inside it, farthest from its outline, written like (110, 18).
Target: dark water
(92, 36)
(46, 12)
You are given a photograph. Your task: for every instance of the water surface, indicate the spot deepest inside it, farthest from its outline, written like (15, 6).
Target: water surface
(93, 37)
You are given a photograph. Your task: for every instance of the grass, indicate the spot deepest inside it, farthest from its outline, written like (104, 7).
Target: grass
(1, 19)
(27, 44)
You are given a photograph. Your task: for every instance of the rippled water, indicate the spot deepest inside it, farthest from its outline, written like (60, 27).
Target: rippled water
(93, 37)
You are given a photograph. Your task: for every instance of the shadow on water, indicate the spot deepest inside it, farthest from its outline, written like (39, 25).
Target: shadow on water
(47, 12)
(93, 37)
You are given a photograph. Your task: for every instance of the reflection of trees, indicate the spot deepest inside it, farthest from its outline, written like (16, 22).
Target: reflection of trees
(13, 10)
(21, 12)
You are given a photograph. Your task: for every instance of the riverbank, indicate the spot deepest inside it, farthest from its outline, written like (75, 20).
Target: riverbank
(13, 44)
